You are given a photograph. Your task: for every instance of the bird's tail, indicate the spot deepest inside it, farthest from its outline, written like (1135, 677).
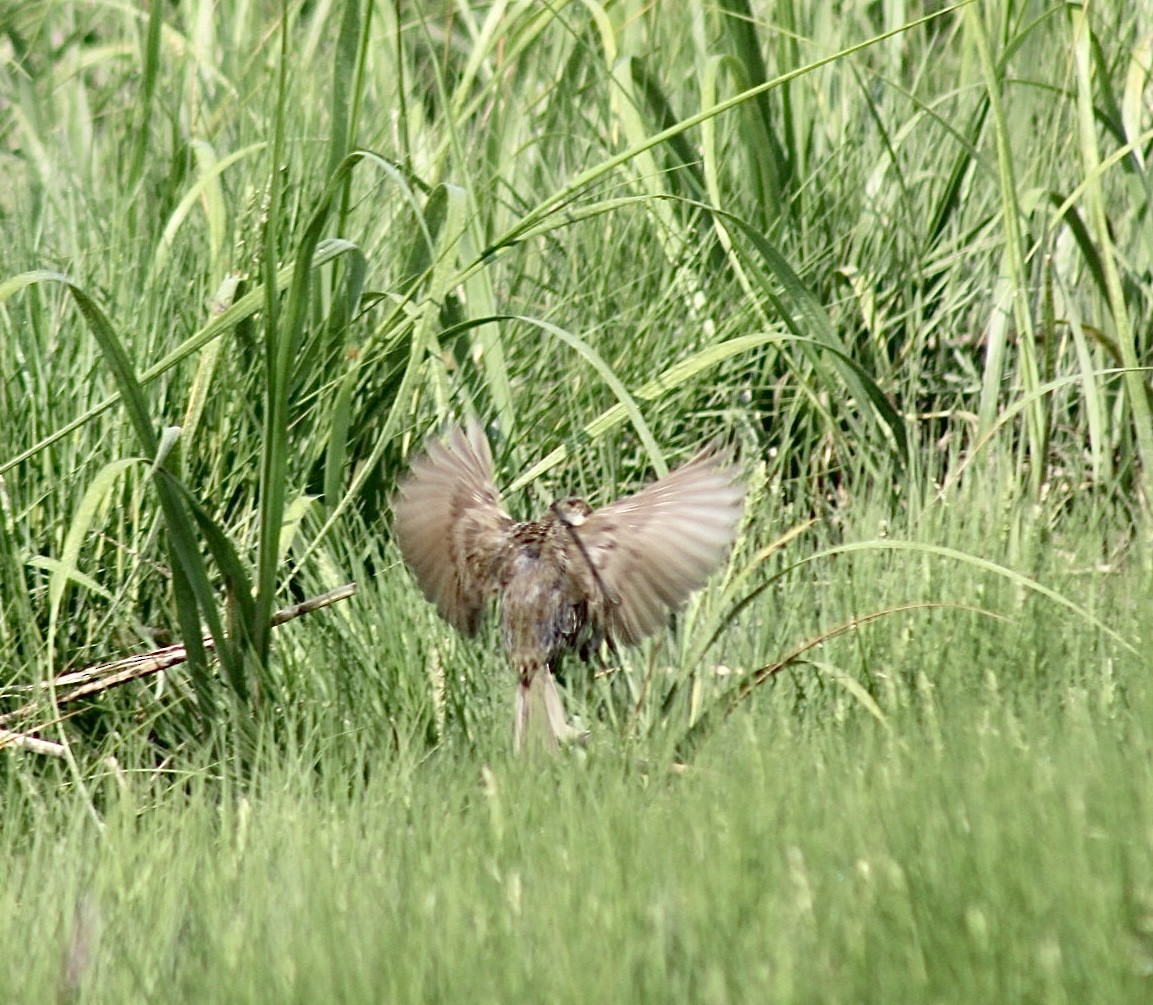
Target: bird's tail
(540, 718)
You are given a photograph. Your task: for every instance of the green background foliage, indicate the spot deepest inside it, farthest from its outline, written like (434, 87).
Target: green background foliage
(899, 257)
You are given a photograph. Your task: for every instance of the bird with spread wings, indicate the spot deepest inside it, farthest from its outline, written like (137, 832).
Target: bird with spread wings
(569, 580)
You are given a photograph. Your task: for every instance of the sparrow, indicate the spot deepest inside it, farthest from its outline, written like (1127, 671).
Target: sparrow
(570, 581)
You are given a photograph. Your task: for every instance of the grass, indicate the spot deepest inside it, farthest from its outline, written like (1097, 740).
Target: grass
(989, 839)
(253, 253)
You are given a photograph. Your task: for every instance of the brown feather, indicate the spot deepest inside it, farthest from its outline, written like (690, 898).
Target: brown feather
(451, 527)
(570, 579)
(652, 549)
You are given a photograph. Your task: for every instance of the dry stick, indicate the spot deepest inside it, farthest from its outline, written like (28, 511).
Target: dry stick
(105, 676)
(23, 741)
(33, 743)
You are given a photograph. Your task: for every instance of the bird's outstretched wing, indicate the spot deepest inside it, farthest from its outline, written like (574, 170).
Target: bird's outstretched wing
(650, 550)
(451, 527)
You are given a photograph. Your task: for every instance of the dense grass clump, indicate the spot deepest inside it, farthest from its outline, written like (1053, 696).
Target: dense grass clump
(252, 254)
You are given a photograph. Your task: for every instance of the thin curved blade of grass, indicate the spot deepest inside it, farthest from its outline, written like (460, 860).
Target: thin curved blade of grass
(283, 335)
(724, 705)
(452, 210)
(481, 299)
(1106, 109)
(67, 568)
(747, 569)
(70, 574)
(807, 315)
(1135, 388)
(336, 449)
(20, 622)
(594, 174)
(206, 191)
(1096, 408)
(647, 175)
(1093, 395)
(766, 152)
(463, 234)
(714, 157)
(244, 308)
(890, 165)
(346, 67)
(1132, 108)
(1068, 212)
(625, 400)
(346, 295)
(1018, 292)
(572, 215)
(676, 375)
(506, 29)
(194, 595)
(853, 686)
(283, 322)
(240, 608)
(950, 200)
(284, 326)
(294, 515)
(142, 127)
(354, 98)
(1009, 413)
(1118, 156)
(685, 177)
(428, 218)
(422, 346)
(1014, 577)
(201, 387)
(426, 282)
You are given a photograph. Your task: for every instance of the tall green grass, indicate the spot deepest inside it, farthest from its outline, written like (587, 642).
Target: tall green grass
(253, 253)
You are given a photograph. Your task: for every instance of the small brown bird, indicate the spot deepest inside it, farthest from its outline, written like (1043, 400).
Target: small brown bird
(570, 580)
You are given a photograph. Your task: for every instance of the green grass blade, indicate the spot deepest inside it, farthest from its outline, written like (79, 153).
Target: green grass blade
(66, 569)
(1137, 392)
(336, 452)
(244, 308)
(1017, 283)
(805, 316)
(1011, 575)
(142, 132)
(191, 578)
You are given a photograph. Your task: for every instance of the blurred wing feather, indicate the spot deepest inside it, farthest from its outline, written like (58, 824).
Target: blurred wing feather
(451, 527)
(652, 549)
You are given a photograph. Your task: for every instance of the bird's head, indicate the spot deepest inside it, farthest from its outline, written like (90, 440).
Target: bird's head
(572, 511)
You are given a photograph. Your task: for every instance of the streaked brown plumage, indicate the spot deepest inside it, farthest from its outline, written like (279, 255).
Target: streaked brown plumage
(569, 580)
